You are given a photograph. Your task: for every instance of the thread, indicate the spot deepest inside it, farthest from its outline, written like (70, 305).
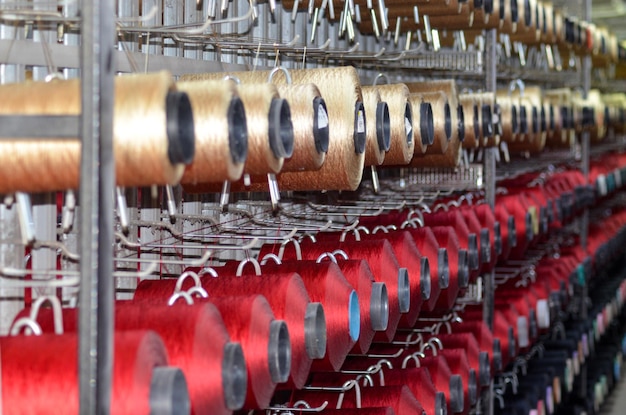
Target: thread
(457, 266)
(507, 230)
(137, 356)
(196, 340)
(399, 398)
(309, 115)
(419, 382)
(508, 116)
(478, 360)
(341, 90)
(383, 264)
(487, 343)
(288, 299)
(452, 156)
(387, 410)
(401, 118)
(490, 131)
(459, 365)
(153, 134)
(442, 120)
(326, 284)
(265, 344)
(484, 243)
(423, 123)
(428, 246)
(221, 132)
(409, 257)
(472, 126)
(467, 239)
(488, 221)
(445, 381)
(373, 300)
(524, 232)
(378, 127)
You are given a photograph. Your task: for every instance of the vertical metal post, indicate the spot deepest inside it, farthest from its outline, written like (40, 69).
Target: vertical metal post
(490, 165)
(490, 65)
(95, 356)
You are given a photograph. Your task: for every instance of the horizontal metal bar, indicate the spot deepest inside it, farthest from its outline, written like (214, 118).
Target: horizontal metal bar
(39, 126)
(27, 52)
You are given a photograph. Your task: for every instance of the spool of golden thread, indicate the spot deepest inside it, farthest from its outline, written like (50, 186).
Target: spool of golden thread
(532, 139)
(423, 124)
(487, 105)
(445, 110)
(341, 90)
(472, 121)
(401, 116)
(270, 128)
(509, 116)
(309, 115)
(378, 126)
(260, 101)
(146, 151)
(442, 121)
(221, 132)
(562, 100)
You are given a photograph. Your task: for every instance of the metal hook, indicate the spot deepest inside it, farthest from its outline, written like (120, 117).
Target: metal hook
(381, 75)
(243, 263)
(282, 69)
(26, 322)
(414, 357)
(57, 313)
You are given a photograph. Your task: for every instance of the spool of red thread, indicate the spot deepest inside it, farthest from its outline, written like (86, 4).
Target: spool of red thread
(265, 343)
(467, 239)
(418, 380)
(383, 264)
(326, 284)
(447, 382)
(478, 360)
(486, 340)
(197, 342)
(399, 398)
(40, 375)
(459, 365)
(457, 267)
(507, 230)
(408, 257)
(388, 410)
(286, 295)
(484, 242)
(374, 314)
(437, 256)
(487, 219)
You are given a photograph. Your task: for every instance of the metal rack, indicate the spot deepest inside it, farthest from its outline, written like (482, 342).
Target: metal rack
(98, 58)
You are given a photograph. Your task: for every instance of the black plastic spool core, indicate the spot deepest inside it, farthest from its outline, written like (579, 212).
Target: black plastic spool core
(461, 122)
(427, 123)
(488, 6)
(523, 120)
(408, 117)
(544, 123)
(551, 116)
(514, 11)
(501, 8)
(497, 127)
(181, 133)
(448, 122)
(476, 119)
(321, 134)
(359, 136)
(535, 120)
(514, 120)
(487, 124)
(234, 376)
(280, 128)
(527, 13)
(169, 392)
(383, 126)
(237, 130)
